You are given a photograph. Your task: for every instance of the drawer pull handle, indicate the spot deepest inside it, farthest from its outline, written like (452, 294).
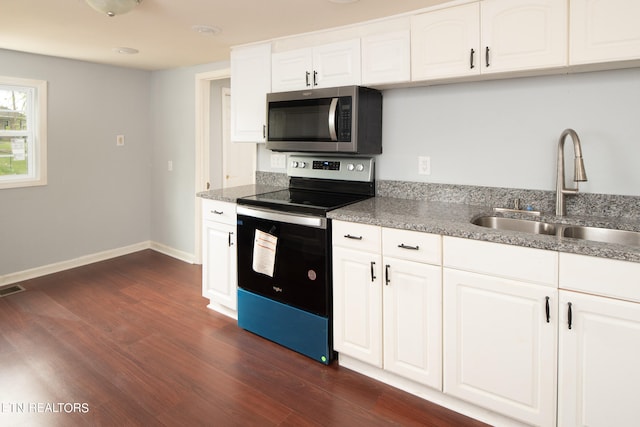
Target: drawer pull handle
(570, 315)
(349, 236)
(486, 57)
(547, 310)
(217, 212)
(373, 276)
(387, 279)
(471, 64)
(413, 248)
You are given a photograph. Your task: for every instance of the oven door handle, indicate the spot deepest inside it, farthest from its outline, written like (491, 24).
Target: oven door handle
(306, 220)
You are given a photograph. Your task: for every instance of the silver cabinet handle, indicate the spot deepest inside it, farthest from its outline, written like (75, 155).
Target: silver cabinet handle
(486, 56)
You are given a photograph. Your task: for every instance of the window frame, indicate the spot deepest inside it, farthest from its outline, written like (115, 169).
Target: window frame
(37, 114)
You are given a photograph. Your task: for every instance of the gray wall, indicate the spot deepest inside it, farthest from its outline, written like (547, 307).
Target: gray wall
(173, 134)
(98, 194)
(504, 133)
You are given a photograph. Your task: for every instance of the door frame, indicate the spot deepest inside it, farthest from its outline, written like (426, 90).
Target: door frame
(202, 113)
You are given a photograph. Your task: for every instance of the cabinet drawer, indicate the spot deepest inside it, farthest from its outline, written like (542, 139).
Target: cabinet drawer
(412, 245)
(222, 212)
(496, 259)
(363, 237)
(600, 276)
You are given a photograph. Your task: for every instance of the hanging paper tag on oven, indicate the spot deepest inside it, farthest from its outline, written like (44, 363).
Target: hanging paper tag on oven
(264, 253)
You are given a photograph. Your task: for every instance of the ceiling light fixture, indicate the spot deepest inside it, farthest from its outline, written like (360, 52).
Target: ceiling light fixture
(113, 7)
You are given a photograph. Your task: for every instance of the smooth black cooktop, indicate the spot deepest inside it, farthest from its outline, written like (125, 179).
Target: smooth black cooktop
(302, 201)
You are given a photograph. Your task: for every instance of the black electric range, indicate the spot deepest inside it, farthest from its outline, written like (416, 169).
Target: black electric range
(284, 252)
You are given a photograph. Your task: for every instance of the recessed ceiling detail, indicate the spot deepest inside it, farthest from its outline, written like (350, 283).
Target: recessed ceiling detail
(206, 30)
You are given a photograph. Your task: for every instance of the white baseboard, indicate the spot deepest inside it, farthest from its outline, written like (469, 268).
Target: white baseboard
(174, 253)
(32, 273)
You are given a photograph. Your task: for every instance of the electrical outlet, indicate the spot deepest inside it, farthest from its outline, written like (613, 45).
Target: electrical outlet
(424, 165)
(120, 140)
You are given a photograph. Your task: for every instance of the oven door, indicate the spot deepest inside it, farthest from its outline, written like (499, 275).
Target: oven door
(299, 274)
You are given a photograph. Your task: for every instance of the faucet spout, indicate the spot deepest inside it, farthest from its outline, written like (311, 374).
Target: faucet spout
(579, 174)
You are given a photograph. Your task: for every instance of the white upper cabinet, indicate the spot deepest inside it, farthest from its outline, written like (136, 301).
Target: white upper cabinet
(490, 36)
(523, 34)
(604, 30)
(250, 83)
(292, 70)
(330, 65)
(386, 58)
(446, 43)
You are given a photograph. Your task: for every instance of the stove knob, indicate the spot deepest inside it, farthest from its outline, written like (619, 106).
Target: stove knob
(303, 165)
(350, 166)
(360, 167)
(294, 164)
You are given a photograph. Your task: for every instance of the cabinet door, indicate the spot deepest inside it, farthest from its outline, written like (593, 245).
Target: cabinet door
(413, 321)
(523, 34)
(292, 70)
(499, 350)
(599, 379)
(446, 43)
(357, 304)
(386, 58)
(219, 264)
(250, 83)
(337, 64)
(604, 30)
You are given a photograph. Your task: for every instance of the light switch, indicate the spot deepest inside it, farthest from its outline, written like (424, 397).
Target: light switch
(120, 140)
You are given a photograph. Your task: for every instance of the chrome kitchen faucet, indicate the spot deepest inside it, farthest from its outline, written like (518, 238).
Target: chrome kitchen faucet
(579, 173)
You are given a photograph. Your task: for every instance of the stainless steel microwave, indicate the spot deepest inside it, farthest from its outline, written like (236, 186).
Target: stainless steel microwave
(344, 119)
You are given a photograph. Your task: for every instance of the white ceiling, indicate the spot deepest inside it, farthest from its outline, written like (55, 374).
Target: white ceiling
(162, 29)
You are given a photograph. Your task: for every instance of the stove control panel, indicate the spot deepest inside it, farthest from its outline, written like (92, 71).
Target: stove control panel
(338, 168)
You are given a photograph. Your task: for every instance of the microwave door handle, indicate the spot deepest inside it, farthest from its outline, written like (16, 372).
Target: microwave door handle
(332, 119)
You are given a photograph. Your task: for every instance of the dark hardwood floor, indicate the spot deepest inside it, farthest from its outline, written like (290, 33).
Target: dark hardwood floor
(129, 341)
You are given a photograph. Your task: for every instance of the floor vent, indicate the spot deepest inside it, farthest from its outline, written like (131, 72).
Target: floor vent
(10, 290)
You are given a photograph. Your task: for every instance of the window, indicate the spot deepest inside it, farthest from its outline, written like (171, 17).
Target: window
(23, 136)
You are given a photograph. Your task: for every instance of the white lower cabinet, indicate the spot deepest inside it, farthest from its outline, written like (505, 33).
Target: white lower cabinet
(219, 258)
(387, 309)
(357, 304)
(599, 350)
(412, 313)
(599, 377)
(500, 333)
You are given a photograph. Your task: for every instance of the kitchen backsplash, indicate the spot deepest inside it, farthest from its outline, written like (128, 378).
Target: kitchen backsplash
(581, 204)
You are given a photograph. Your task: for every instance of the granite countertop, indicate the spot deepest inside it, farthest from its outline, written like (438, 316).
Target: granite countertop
(232, 194)
(454, 219)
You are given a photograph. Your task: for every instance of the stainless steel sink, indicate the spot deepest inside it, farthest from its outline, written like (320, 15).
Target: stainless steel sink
(598, 234)
(514, 224)
(606, 235)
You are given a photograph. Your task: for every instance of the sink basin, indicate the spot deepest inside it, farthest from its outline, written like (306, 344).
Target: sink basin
(514, 224)
(605, 235)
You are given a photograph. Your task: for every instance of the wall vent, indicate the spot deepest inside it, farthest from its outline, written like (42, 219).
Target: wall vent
(5, 291)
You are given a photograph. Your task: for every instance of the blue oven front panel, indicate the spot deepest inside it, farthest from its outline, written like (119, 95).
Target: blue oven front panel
(299, 330)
